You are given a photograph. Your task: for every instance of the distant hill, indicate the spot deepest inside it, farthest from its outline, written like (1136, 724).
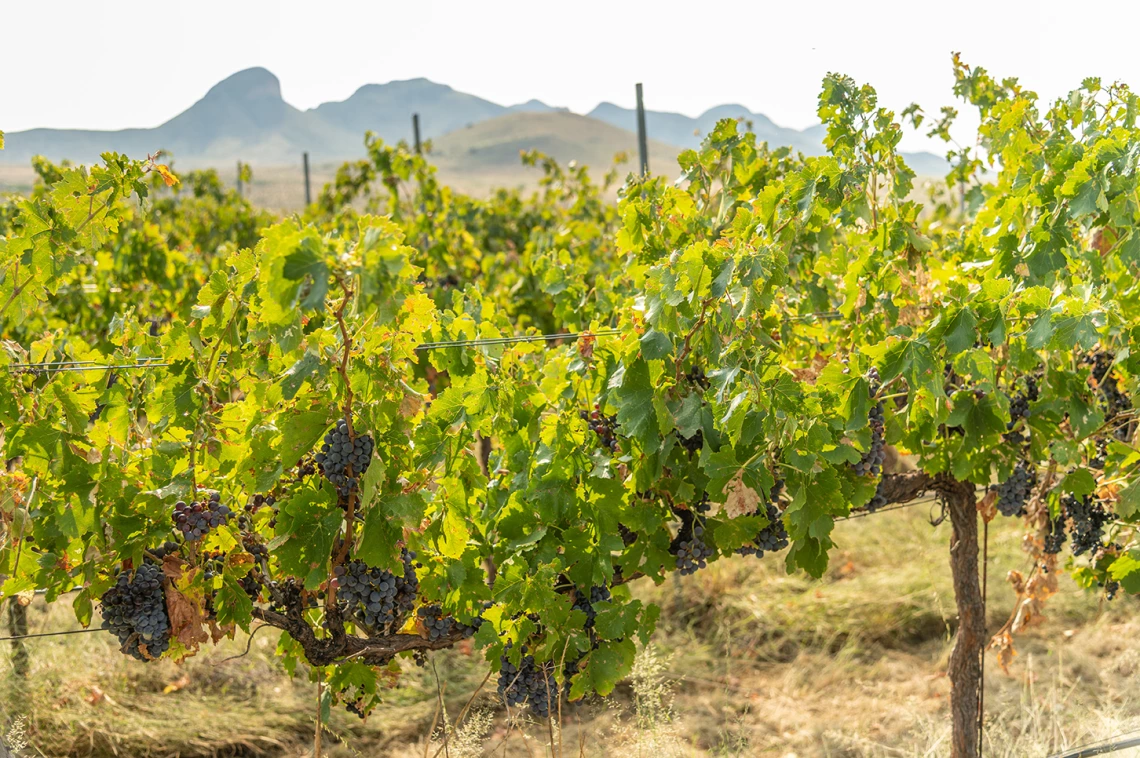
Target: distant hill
(244, 117)
(387, 109)
(494, 145)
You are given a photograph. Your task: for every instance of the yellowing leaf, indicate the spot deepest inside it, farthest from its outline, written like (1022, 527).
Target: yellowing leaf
(166, 174)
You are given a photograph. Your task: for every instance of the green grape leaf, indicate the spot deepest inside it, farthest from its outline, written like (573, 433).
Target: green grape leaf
(307, 524)
(655, 345)
(1126, 570)
(232, 605)
(296, 375)
(1128, 501)
(636, 412)
(604, 668)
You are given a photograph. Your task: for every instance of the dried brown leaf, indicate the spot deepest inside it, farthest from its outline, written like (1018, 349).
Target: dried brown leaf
(987, 506)
(172, 566)
(186, 619)
(740, 499)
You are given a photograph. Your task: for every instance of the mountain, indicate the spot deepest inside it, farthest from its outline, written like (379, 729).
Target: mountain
(536, 106)
(387, 109)
(244, 117)
(684, 131)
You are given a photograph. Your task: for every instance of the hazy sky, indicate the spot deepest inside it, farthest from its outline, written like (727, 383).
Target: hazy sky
(122, 63)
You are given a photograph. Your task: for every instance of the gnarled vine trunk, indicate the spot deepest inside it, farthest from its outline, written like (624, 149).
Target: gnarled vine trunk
(965, 669)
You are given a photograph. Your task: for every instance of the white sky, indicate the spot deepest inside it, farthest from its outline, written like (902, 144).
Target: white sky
(112, 64)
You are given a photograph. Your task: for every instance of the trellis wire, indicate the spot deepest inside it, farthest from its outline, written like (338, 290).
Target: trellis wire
(1111, 745)
(50, 634)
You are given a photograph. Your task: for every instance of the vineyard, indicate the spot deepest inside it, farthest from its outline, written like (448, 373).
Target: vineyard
(409, 429)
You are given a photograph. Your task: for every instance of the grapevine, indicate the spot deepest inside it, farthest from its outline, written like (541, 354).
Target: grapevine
(730, 342)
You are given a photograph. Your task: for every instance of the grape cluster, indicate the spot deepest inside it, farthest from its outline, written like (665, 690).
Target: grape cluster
(585, 603)
(1055, 535)
(447, 281)
(1111, 587)
(356, 707)
(377, 598)
(692, 444)
(1114, 400)
(343, 460)
(772, 538)
(878, 500)
(259, 551)
(1013, 492)
(213, 565)
(305, 467)
(602, 425)
(196, 520)
(1019, 404)
(134, 610)
(1101, 363)
(1101, 455)
(1087, 517)
(530, 683)
(702, 506)
(689, 547)
(260, 501)
(167, 548)
(437, 625)
(873, 460)
(628, 536)
(251, 585)
(695, 376)
(1018, 409)
(287, 597)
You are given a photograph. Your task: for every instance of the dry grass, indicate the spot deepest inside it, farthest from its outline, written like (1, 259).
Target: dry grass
(750, 661)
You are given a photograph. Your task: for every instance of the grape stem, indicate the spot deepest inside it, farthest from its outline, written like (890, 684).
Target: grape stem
(687, 347)
(346, 338)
